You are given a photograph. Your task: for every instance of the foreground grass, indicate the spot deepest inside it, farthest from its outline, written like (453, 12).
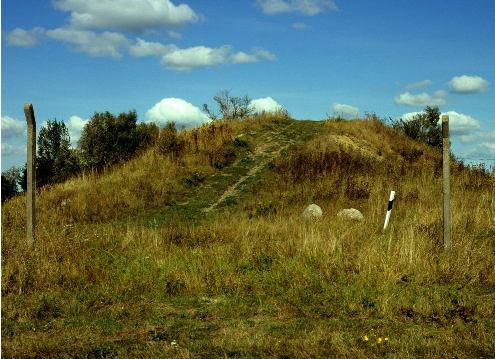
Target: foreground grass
(255, 280)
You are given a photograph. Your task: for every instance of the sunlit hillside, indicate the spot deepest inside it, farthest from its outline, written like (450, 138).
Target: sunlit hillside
(202, 252)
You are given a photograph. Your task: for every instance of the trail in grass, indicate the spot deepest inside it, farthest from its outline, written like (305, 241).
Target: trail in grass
(263, 154)
(225, 186)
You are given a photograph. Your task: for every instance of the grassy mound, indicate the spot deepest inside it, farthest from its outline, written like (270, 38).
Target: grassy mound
(128, 263)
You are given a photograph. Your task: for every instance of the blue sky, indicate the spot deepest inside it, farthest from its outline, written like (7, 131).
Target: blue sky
(165, 58)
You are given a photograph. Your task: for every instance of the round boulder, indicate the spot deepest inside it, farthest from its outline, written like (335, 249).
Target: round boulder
(351, 214)
(313, 211)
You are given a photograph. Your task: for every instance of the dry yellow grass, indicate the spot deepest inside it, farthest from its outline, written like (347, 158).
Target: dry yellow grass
(253, 279)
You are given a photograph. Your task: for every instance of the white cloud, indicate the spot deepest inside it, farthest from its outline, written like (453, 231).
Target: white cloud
(488, 148)
(75, 125)
(202, 56)
(11, 150)
(12, 127)
(346, 111)
(242, 57)
(468, 84)
(127, 15)
(422, 99)
(264, 54)
(195, 57)
(305, 7)
(418, 84)
(144, 48)
(266, 104)
(25, 38)
(7, 149)
(460, 124)
(106, 44)
(177, 110)
(477, 137)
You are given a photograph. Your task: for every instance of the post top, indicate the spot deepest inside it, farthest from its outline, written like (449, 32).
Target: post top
(445, 118)
(29, 112)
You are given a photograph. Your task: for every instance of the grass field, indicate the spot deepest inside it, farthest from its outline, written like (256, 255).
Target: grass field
(131, 263)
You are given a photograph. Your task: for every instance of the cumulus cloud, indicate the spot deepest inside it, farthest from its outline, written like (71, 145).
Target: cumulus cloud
(459, 124)
(421, 99)
(202, 56)
(305, 7)
(12, 128)
(75, 125)
(468, 84)
(418, 84)
(346, 111)
(24, 38)
(195, 57)
(266, 104)
(145, 48)
(126, 15)
(106, 44)
(177, 110)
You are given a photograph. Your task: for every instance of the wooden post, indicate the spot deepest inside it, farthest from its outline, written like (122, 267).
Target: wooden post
(31, 174)
(447, 243)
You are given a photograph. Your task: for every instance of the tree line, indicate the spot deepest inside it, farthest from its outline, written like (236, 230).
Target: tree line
(106, 140)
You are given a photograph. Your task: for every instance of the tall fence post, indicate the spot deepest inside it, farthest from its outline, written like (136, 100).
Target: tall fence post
(31, 174)
(447, 243)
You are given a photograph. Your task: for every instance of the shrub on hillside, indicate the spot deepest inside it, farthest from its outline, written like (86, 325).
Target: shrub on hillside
(109, 139)
(230, 107)
(169, 143)
(423, 127)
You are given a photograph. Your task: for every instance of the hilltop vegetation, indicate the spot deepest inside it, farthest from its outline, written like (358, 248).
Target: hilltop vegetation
(127, 262)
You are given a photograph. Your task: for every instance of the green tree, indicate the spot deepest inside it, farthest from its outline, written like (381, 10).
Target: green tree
(11, 180)
(424, 127)
(108, 139)
(56, 161)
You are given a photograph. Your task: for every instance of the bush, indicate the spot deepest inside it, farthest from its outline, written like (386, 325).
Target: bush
(169, 143)
(107, 139)
(423, 127)
(11, 179)
(231, 107)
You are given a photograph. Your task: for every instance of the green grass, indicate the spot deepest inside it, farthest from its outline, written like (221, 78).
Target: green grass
(252, 279)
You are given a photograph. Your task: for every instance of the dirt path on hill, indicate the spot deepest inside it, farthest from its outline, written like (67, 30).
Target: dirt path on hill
(261, 155)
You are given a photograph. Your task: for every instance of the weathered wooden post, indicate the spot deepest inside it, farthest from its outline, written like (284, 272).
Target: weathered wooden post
(31, 174)
(447, 243)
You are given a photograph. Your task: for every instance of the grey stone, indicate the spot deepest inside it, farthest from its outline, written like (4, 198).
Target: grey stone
(313, 211)
(351, 214)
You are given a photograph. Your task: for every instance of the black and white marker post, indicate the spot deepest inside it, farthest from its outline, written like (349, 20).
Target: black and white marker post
(389, 209)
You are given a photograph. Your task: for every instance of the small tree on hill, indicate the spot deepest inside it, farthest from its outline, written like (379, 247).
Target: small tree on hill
(11, 179)
(108, 139)
(424, 127)
(56, 161)
(230, 107)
